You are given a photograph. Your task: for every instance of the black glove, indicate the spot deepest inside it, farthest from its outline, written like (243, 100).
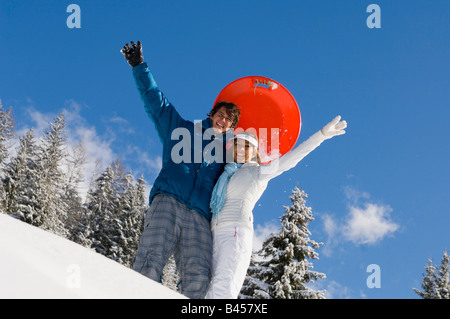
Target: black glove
(133, 53)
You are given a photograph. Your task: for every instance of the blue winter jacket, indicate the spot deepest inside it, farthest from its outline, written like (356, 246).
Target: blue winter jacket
(191, 179)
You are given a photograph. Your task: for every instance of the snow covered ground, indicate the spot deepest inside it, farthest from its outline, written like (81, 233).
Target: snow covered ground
(38, 264)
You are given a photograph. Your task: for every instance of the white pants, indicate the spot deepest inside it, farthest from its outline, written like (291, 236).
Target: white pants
(232, 251)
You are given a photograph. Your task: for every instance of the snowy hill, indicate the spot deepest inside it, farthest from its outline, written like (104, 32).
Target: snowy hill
(38, 264)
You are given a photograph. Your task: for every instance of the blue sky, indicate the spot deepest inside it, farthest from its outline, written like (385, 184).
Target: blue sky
(379, 193)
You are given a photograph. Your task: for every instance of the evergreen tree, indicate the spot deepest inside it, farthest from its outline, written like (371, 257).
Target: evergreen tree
(52, 182)
(6, 131)
(170, 275)
(81, 230)
(74, 176)
(22, 183)
(102, 210)
(254, 288)
(113, 219)
(285, 269)
(133, 206)
(436, 285)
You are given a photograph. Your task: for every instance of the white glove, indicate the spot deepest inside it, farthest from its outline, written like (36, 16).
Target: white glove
(334, 128)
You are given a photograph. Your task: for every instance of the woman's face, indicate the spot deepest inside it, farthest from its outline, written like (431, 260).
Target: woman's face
(243, 151)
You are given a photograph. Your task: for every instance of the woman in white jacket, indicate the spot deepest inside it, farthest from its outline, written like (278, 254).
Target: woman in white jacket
(235, 194)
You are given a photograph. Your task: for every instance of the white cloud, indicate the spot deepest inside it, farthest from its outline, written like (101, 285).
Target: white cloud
(365, 223)
(335, 290)
(145, 158)
(122, 124)
(354, 196)
(332, 230)
(98, 148)
(330, 225)
(369, 225)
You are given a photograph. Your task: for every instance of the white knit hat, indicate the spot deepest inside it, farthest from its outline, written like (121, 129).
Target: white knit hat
(248, 138)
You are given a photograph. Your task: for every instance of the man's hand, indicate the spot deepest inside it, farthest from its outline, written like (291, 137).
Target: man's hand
(334, 128)
(133, 53)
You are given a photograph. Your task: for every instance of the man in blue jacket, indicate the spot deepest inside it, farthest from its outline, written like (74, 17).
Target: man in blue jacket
(178, 220)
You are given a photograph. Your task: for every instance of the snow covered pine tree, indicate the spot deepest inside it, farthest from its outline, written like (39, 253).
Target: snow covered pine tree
(133, 205)
(170, 275)
(34, 181)
(21, 183)
(436, 286)
(284, 269)
(113, 218)
(6, 132)
(53, 154)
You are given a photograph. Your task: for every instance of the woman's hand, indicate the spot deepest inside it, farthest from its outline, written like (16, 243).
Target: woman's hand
(334, 128)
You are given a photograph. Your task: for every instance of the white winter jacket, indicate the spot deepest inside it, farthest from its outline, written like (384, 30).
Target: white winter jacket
(248, 184)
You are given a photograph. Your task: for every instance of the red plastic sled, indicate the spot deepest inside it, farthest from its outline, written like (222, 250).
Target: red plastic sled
(269, 110)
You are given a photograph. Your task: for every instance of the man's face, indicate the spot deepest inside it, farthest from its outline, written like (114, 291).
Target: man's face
(221, 122)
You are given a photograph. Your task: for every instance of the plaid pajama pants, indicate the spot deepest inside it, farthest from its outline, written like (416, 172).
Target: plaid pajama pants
(173, 228)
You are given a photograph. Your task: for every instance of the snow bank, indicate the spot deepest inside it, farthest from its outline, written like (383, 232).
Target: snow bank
(38, 264)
